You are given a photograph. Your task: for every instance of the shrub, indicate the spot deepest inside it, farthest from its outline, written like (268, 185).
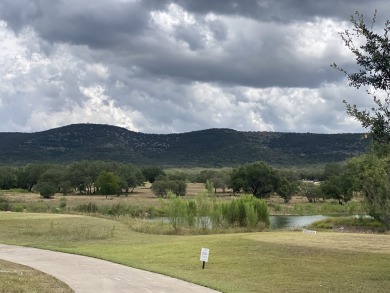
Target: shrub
(62, 202)
(5, 205)
(19, 208)
(87, 208)
(161, 187)
(47, 189)
(177, 211)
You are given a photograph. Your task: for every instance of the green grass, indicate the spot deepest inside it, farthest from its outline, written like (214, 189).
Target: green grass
(319, 208)
(245, 262)
(15, 278)
(351, 223)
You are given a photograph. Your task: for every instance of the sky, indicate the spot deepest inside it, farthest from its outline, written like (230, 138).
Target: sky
(157, 66)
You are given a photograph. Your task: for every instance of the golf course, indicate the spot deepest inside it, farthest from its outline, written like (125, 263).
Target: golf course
(276, 261)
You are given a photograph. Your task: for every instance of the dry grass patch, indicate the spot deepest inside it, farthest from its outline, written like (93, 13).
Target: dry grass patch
(15, 278)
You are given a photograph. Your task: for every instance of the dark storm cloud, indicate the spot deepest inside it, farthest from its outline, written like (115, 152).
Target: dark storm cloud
(264, 59)
(283, 10)
(96, 23)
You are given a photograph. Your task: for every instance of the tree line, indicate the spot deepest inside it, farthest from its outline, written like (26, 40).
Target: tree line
(85, 177)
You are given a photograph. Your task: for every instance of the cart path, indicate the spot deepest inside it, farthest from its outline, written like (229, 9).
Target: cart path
(86, 274)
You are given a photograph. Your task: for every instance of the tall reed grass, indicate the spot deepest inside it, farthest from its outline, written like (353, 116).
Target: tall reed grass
(206, 212)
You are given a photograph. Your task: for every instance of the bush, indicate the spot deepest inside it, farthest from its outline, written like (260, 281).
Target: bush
(47, 189)
(87, 208)
(19, 208)
(5, 205)
(161, 187)
(62, 202)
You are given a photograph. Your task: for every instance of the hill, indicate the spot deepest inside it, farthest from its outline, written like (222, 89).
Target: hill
(205, 148)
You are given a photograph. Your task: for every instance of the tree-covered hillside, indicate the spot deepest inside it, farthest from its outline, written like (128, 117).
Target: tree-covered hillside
(206, 148)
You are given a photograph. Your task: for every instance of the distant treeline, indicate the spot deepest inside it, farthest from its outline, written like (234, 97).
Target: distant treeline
(80, 176)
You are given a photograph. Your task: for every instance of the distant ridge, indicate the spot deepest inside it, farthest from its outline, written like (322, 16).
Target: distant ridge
(204, 148)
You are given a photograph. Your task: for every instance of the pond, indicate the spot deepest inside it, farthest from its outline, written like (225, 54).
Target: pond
(278, 222)
(294, 222)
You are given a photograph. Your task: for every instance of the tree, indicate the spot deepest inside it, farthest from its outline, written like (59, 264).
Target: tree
(373, 58)
(338, 187)
(29, 175)
(130, 176)
(8, 178)
(258, 178)
(310, 190)
(371, 175)
(221, 180)
(108, 183)
(338, 183)
(152, 173)
(287, 189)
(49, 182)
(371, 172)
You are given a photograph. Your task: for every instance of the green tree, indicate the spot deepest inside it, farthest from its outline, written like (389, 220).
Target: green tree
(49, 182)
(29, 175)
(310, 190)
(371, 176)
(130, 176)
(177, 175)
(338, 185)
(108, 183)
(152, 173)
(258, 178)
(373, 59)
(220, 181)
(8, 178)
(287, 189)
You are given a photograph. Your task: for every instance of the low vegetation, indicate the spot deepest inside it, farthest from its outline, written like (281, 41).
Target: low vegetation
(350, 224)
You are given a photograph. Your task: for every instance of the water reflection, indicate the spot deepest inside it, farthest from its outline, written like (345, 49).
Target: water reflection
(277, 222)
(294, 222)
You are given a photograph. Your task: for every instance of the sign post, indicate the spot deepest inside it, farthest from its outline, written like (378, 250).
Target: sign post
(204, 256)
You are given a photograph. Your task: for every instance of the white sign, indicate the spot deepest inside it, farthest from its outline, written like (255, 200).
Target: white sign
(204, 254)
(309, 231)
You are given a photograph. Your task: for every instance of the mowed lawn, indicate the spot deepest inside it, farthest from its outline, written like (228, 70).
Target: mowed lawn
(248, 262)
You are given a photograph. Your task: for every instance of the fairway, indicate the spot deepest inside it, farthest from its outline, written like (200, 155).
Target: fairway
(248, 262)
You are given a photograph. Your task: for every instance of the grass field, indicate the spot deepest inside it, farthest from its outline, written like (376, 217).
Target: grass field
(247, 262)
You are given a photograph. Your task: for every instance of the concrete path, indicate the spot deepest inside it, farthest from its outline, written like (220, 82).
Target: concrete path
(87, 274)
